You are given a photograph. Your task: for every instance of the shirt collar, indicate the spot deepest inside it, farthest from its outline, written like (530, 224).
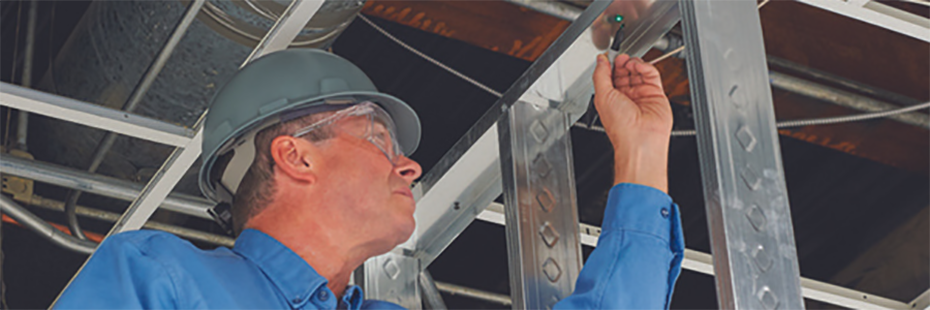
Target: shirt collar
(289, 272)
(352, 299)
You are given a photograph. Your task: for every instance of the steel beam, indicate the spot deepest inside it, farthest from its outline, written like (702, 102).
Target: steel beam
(744, 185)
(92, 115)
(878, 14)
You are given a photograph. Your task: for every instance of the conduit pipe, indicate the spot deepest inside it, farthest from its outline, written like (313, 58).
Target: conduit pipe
(192, 234)
(844, 98)
(36, 224)
(431, 297)
(453, 289)
(22, 124)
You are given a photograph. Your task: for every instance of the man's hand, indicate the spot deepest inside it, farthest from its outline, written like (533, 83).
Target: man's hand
(637, 118)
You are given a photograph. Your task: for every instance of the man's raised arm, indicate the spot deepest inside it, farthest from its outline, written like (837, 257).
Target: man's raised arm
(639, 252)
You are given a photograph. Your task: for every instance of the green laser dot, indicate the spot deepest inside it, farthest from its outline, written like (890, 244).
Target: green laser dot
(617, 18)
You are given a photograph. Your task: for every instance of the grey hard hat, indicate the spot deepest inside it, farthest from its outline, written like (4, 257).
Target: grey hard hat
(276, 84)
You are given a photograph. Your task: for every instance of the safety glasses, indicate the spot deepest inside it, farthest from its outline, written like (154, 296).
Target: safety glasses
(366, 121)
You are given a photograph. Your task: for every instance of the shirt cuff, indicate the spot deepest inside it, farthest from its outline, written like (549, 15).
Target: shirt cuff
(634, 207)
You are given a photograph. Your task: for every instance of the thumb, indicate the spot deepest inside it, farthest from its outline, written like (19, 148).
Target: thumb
(603, 83)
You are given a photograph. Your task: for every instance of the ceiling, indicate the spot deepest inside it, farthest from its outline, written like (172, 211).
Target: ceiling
(858, 192)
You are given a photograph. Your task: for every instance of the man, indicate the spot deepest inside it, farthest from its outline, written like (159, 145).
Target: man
(311, 159)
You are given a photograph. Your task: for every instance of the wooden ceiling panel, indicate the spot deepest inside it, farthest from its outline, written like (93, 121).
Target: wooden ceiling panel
(495, 25)
(846, 47)
(794, 31)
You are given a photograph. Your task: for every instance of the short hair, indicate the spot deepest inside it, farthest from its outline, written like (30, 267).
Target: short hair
(257, 187)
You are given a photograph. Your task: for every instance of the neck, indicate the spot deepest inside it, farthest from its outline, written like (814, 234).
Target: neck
(325, 250)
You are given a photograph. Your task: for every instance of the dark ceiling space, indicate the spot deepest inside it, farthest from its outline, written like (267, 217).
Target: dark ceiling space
(845, 205)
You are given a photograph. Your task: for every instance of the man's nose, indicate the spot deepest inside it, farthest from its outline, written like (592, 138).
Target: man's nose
(408, 169)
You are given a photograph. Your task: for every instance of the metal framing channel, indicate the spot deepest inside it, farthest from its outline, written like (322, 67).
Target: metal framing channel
(744, 186)
(882, 15)
(278, 37)
(543, 247)
(281, 34)
(92, 115)
(393, 277)
(99, 184)
(468, 177)
(922, 302)
(431, 298)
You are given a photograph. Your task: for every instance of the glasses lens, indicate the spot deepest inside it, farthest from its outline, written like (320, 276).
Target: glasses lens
(384, 132)
(366, 121)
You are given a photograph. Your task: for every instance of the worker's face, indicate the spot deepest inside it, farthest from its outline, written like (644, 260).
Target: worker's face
(370, 194)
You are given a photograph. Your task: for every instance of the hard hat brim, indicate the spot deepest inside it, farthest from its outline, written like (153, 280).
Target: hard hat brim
(405, 119)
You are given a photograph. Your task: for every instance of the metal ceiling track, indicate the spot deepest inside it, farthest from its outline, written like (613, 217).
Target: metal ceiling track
(521, 148)
(879, 14)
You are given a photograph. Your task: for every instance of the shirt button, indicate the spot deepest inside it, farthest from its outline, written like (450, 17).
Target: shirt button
(297, 300)
(664, 212)
(323, 296)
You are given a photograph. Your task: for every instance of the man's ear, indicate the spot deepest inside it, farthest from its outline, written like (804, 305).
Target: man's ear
(293, 157)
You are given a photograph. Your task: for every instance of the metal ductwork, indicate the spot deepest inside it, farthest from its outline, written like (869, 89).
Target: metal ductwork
(115, 42)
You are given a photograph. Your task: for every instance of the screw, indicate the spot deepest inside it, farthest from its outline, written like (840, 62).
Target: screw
(617, 18)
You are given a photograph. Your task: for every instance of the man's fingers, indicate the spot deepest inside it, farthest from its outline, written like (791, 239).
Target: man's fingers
(602, 79)
(620, 65)
(649, 73)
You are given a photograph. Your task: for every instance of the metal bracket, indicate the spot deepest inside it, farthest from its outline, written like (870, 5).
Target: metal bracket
(20, 188)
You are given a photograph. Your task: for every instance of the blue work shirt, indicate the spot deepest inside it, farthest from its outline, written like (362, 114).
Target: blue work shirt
(638, 255)
(635, 265)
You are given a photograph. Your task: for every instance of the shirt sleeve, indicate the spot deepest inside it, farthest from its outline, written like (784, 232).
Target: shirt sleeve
(120, 275)
(638, 255)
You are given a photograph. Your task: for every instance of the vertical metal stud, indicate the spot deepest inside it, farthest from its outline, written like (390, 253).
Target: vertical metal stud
(755, 258)
(393, 277)
(542, 214)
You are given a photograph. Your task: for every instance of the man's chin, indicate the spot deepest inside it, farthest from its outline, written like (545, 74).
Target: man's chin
(407, 231)
(400, 240)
